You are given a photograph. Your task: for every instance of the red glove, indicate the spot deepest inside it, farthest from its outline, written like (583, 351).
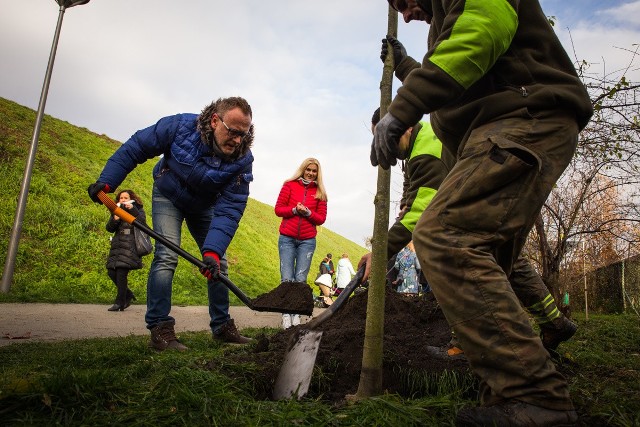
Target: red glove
(212, 262)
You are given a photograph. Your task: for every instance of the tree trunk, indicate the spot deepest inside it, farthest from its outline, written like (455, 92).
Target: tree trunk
(371, 373)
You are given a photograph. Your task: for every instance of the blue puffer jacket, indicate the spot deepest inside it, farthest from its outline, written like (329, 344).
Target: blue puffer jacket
(188, 174)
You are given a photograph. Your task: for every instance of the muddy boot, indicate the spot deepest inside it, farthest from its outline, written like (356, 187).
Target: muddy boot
(445, 353)
(558, 331)
(229, 333)
(163, 337)
(514, 414)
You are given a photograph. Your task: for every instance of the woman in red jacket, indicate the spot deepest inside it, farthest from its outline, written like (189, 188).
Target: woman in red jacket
(302, 205)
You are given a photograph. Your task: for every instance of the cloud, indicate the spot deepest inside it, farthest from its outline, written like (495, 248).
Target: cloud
(311, 72)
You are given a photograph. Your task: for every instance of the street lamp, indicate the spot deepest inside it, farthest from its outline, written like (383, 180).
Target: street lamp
(12, 251)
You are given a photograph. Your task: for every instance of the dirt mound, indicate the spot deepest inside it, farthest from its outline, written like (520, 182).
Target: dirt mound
(411, 324)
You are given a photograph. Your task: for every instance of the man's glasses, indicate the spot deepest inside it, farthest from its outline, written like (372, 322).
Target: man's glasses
(235, 132)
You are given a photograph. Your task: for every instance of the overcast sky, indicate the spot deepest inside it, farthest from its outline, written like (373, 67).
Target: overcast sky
(310, 70)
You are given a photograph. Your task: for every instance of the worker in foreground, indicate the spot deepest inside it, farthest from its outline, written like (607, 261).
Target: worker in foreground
(504, 96)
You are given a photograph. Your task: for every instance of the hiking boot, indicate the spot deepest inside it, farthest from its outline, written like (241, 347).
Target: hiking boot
(515, 414)
(163, 337)
(229, 333)
(561, 330)
(454, 351)
(445, 353)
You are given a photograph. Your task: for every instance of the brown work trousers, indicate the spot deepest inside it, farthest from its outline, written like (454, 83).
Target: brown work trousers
(471, 234)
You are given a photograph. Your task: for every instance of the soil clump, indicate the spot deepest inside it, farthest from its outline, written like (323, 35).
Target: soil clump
(288, 297)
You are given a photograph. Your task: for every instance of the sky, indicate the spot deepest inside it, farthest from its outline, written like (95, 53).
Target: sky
(310, 70)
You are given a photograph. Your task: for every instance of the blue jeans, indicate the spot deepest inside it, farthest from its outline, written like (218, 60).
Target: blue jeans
(167, 221)
(295, 258)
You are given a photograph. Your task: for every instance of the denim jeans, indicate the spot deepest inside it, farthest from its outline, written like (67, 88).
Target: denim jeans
(295, 258)
(167, 220)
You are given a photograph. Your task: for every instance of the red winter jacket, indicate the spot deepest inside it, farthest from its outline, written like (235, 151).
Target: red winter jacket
(296, 226)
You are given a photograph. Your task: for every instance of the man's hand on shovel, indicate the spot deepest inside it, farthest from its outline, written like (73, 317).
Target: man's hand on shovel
(211, 270)
(96, 188)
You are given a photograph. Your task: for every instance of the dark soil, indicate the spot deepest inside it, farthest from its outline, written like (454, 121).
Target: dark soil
(289, 297)
(411, 324)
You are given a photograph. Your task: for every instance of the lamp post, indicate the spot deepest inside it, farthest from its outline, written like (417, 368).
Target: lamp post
(12, 251)
(584, 275)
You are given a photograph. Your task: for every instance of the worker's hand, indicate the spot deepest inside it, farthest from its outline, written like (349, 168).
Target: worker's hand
(212, 262)
(398, 50)
(386, 136)
(366, 261)
(94, 189)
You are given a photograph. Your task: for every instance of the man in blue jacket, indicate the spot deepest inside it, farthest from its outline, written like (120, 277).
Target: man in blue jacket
(202, 178)
(504, 96)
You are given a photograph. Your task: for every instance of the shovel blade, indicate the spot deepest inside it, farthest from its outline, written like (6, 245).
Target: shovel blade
(296, 371)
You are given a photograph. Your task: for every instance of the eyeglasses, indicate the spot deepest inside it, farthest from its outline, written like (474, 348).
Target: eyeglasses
(233, 133)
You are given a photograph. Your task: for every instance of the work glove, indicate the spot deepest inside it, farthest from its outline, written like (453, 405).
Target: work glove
(398, 50)
(212, 262)
(94, 189)
(386, 136)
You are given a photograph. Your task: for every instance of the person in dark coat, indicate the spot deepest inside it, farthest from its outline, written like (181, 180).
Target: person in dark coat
(123, 256)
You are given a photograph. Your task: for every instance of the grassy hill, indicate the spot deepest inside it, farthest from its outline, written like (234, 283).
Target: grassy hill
(64, 244)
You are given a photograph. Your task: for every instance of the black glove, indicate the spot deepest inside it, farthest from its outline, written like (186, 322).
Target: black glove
(384, 148)
(94, 189)
(398, 50)
(212, 262)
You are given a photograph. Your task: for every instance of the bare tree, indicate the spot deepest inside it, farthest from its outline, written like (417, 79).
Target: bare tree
(596, 202)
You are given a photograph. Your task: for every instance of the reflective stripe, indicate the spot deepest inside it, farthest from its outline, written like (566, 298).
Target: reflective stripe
(481, 33)
(423, 198)
(426, 142)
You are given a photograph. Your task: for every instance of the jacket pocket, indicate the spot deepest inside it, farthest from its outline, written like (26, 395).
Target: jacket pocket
(486, 191)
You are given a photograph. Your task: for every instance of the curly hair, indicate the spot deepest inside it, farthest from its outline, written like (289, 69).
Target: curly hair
(132, 196)
(221, 106)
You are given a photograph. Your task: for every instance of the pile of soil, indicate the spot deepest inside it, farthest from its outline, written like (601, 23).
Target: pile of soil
(289, 297)
(410, 325)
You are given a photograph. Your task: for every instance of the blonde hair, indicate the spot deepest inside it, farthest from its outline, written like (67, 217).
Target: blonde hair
(321, 193)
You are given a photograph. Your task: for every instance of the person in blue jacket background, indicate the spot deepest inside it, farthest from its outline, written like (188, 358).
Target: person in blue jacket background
(202, 178)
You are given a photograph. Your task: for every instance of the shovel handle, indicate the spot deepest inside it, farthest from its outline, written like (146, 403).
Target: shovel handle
(127, 217)
(339, 302)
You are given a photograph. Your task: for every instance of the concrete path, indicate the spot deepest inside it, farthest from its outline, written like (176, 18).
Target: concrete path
(20, 323)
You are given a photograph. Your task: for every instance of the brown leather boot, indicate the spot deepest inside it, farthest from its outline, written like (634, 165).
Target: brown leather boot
(515, 414)
(559, 331)
(163, 337)
(229, 333)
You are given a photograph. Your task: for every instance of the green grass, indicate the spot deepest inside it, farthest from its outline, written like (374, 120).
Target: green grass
(63, 247)
(120, 381)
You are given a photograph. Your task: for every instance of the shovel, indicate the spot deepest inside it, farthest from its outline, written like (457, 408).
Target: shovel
(127, 217)
(297, 368)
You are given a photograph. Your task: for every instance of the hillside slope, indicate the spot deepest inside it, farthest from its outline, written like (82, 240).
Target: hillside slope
(64, 243)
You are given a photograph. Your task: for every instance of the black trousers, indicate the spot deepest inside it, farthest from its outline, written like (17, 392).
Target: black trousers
(119, 276)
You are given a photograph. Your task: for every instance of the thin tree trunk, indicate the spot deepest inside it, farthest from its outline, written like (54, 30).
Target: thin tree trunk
(371, 373)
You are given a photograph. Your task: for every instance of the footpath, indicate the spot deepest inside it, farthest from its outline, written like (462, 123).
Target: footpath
(21, 323)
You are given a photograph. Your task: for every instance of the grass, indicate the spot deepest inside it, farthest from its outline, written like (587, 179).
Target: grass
(118, 380)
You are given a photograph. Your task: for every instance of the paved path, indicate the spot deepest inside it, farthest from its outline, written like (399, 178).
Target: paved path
(21, 323)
